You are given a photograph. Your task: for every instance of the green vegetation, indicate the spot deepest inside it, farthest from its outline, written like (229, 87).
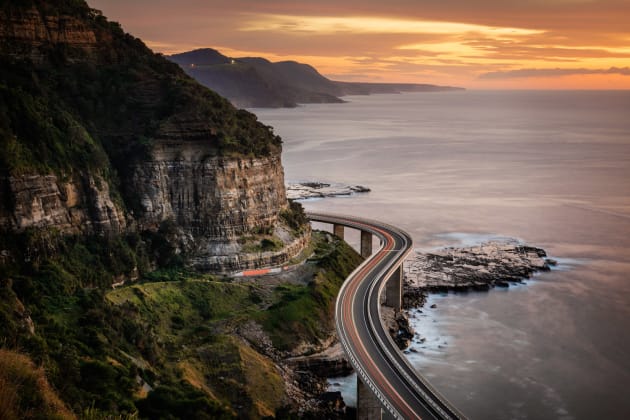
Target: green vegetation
(306, 314)
(59, 282)
(260, 243)
(37, 134)
(175, 331)
(294, 216)
(25, 392)
(180, 402)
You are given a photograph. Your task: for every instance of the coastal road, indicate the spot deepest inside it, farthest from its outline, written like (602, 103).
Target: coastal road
(402, 391)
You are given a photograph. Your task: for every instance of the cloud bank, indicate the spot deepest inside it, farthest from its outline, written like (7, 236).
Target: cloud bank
(524, 73)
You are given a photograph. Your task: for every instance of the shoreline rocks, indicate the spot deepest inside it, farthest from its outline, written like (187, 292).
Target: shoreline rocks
(329, 363)
(397, 323)
(315, 189)
(481, 267)
(461, 269)
(478, 268)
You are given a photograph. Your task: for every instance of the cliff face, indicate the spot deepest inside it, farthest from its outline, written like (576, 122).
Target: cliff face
(99, 135)
(31, 33)
(210, 196)
(72, 206)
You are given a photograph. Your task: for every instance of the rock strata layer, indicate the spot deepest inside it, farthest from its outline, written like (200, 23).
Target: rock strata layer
(214, 197)
(30, 34)
(82, 204)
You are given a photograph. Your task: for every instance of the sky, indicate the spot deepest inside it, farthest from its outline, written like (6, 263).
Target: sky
(477, 44)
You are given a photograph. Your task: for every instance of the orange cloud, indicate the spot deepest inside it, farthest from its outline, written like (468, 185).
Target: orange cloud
(453, 42)
(528, 73)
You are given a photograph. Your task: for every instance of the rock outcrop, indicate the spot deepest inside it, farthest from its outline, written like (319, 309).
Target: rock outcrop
(327, 364)
(71, 206)
(30, 34)
(492, 264)
(214, 197)
(304, 190)
(398, 326)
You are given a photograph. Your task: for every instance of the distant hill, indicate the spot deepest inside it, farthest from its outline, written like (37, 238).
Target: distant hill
(257, 82)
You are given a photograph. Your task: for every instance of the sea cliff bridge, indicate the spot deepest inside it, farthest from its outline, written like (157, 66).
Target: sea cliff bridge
(388, 386)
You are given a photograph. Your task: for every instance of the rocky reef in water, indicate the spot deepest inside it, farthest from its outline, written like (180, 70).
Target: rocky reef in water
(316, 189)
(491, 264)
(478, 268)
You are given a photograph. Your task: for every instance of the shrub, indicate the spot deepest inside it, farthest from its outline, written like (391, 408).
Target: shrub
(180, 401)
(25, 391)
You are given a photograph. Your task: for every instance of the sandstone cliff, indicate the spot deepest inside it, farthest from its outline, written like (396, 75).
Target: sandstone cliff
(100, 136)
(31, 33)
(73, 206)
(217, 197)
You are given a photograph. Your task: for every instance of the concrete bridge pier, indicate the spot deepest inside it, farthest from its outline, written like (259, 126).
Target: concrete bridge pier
(338, 230)
(366, 244)
(368, 406)
(393, 290)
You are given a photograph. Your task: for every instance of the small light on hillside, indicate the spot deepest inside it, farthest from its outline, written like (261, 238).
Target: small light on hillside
(232, 61)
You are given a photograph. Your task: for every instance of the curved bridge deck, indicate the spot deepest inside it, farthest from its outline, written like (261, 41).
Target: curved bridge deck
(401, 390)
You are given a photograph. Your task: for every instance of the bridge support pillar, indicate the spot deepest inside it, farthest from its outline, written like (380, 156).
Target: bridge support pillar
(366, 244)
(338, 231)
(393, 290)
(368, 406)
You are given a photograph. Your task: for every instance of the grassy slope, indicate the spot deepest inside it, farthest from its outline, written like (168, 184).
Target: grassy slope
(306, 314)
(195, 322)
(25, 391)
(179, 336)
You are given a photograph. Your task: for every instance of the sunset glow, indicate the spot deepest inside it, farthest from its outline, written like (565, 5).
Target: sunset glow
(362, 25)
(561, 44)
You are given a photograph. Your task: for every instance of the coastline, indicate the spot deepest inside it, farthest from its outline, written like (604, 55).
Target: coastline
(493, 264)
(435, 152)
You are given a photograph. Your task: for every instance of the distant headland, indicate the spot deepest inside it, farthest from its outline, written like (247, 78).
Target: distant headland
(255, 82)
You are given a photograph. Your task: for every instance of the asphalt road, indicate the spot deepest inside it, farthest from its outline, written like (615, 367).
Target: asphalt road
(403, 392)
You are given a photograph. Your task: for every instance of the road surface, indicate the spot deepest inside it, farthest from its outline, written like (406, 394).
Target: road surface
(402, 391)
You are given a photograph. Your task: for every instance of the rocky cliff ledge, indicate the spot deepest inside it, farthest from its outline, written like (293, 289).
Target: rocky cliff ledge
(83, 204)
(214, 197)
(30, 33)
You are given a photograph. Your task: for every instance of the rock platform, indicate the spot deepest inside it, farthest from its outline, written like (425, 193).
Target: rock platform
(481, 267)
(304, 190)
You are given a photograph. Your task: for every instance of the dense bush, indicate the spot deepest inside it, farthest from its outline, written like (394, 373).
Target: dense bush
(180, 401)
(25, 392)
(295, 217)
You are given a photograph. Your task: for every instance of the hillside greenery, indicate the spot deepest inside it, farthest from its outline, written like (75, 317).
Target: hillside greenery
(25, 391)
(78, 108)
(167, 343)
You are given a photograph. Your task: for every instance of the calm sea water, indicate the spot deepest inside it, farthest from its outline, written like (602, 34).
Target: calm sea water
(549, 168)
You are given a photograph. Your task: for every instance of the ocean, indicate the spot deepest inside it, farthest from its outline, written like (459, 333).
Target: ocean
(550, 168)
